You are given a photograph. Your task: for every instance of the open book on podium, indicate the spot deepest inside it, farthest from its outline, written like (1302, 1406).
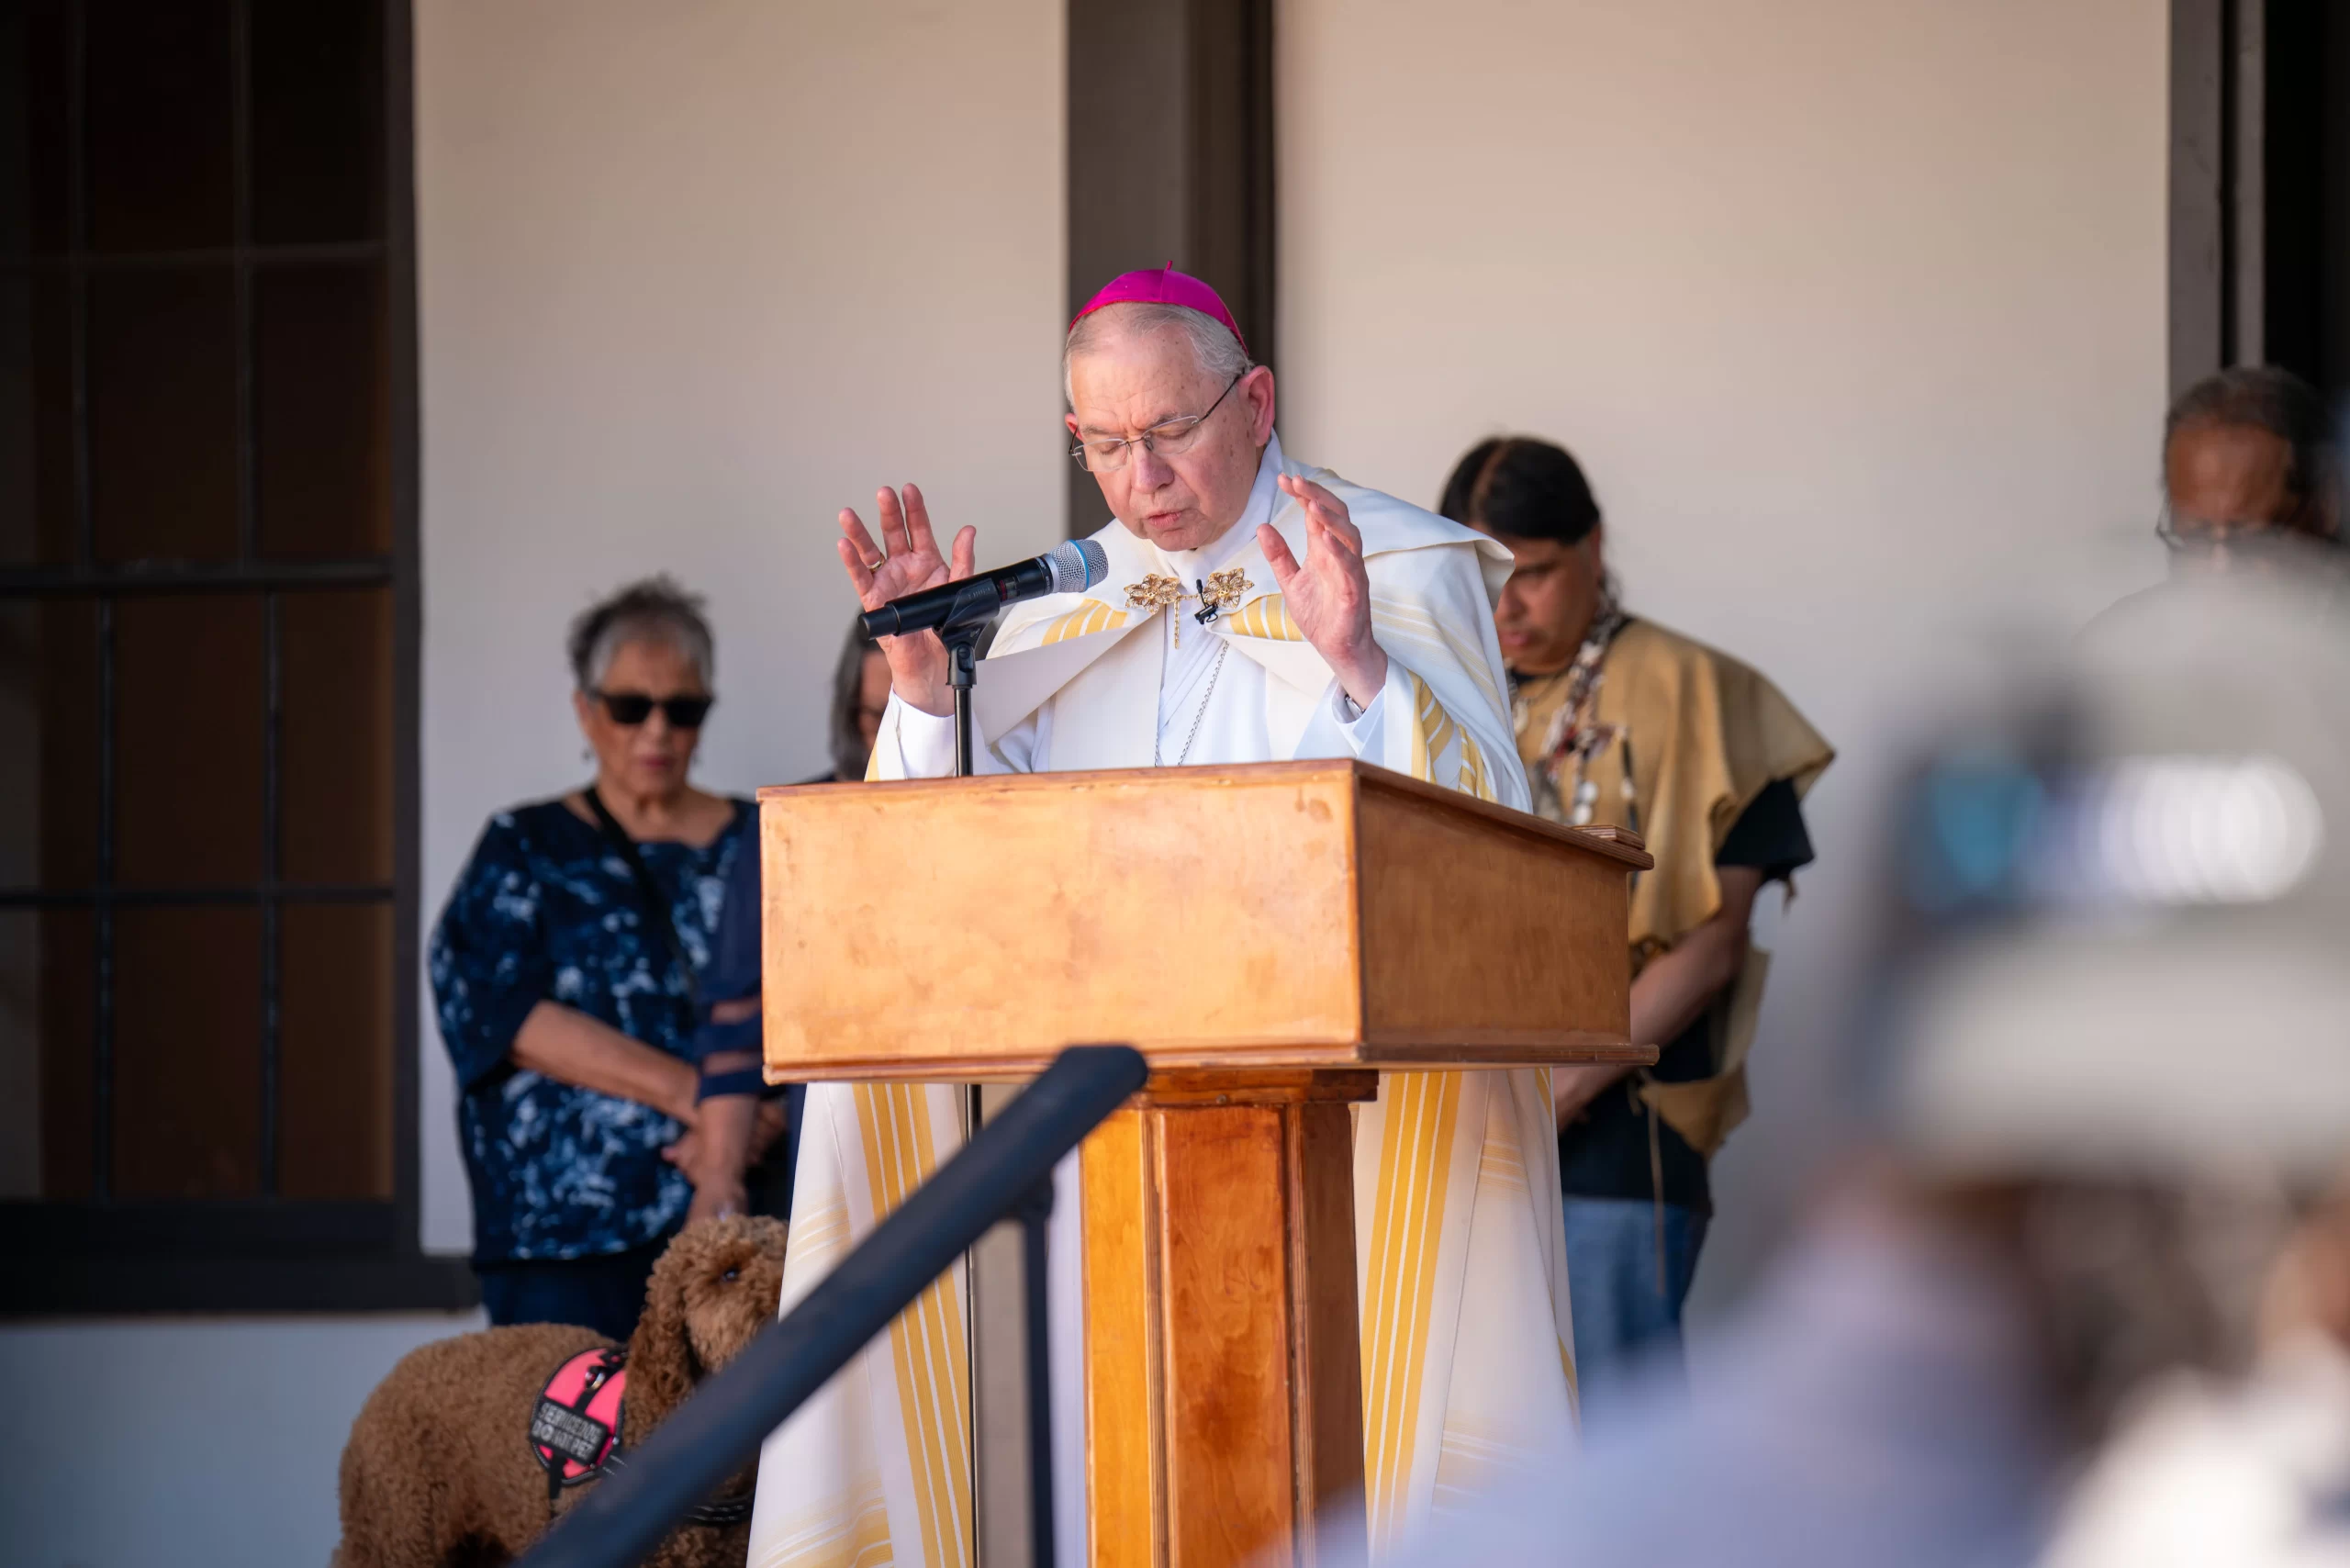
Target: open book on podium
(1271, 936)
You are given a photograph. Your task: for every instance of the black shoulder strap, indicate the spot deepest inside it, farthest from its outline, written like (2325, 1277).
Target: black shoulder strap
(651, 892)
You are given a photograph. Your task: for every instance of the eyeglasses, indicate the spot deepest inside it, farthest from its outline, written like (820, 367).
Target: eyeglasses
(631, 709)
(1108, 453)
(2184, 532)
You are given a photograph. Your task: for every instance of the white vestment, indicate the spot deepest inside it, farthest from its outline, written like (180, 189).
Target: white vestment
(1459, 1246)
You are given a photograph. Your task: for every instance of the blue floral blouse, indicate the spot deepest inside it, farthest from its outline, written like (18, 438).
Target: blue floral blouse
(546, 910)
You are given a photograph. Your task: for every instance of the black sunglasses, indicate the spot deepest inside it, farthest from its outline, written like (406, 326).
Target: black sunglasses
(633, 708)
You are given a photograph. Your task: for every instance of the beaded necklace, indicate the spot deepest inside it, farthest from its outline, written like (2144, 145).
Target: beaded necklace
(1575, 737)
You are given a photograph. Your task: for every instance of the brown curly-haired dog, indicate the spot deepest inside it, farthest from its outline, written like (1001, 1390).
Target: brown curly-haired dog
(438, 1470)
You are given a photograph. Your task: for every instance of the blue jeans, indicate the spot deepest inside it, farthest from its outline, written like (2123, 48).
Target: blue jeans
(606, 1293)
(1623, 1324)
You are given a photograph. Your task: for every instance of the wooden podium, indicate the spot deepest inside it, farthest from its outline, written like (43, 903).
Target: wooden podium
(1270, 936)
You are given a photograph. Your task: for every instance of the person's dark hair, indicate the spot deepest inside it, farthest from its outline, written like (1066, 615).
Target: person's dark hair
(1524, 487)
(2266, 398)
(849, 755)
(655, 610)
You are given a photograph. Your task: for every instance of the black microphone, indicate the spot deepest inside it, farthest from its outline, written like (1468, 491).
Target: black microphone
(1071, 568)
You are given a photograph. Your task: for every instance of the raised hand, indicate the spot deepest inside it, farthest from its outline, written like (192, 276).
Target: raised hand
(1329, 595)
(906, 561)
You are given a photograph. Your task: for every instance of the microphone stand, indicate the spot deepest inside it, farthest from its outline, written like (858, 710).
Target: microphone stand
(973, 608)
(961, 650)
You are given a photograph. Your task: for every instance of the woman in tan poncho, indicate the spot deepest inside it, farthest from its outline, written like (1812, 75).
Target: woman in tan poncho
(1621, 721)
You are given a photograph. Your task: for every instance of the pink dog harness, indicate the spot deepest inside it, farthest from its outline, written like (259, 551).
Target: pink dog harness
(576, 1424)
(576, 1432)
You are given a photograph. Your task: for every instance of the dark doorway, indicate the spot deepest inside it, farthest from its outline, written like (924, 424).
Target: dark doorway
(2260, 188)
(2306, 224)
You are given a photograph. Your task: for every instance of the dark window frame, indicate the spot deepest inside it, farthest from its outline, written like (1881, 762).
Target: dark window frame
(2259, 228)
(265, 1254)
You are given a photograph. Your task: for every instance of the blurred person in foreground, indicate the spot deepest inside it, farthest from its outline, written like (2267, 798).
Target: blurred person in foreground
(2252, 481)
(567, 968)
(1620, 722)
(2105, 1069)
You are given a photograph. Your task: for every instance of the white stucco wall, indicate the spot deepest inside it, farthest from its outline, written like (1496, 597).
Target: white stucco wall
(1854, 312)
(694, 276)
(189, 1442)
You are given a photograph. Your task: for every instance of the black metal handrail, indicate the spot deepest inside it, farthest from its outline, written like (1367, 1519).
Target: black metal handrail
(997, 1175)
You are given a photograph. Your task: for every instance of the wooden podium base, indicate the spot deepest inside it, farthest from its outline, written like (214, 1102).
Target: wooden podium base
(1386, 924)
(1224, 1390)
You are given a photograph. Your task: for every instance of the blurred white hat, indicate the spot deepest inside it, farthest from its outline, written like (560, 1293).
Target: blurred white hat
(2140, 958)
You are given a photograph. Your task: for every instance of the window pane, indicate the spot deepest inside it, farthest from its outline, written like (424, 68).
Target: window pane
(20, 1038)
(334, 1122)
(21, 707)
(186, 1053)
(45, 1053)
(33, 64)
(49, 781)
(318, 139)
(324, 398)
(188, 698)
(163, 414)
(336, 685)
(36, 419)
(58, 1010)
(160, 119)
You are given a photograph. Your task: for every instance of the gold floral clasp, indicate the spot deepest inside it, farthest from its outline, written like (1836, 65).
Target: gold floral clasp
(1155, 592)
(1221, 592)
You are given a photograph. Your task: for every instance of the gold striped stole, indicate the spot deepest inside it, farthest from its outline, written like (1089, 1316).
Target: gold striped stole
(1422, 1113)
(1474, 780)
(1434, 731)
(1266, 617)
(927, 1349)
(1083, 621)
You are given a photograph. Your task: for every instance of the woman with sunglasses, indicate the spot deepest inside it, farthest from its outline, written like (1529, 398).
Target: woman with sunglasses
(569, 969)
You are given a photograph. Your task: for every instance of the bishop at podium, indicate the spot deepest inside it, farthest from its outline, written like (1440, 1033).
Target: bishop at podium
(1256, 609)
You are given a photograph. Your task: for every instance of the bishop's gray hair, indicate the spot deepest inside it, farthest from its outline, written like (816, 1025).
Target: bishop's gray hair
(1219, 352)
(654, 610)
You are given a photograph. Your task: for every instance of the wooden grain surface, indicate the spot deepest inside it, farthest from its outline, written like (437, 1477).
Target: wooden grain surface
(1467, 1049)
(1326, 1338)
(1224, 1380)
(1125, 1467)
(1231, 1486)
(1269, 1086)
(1011, 916)
(1473, 937)
(1616, 844)
(1314, 914)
